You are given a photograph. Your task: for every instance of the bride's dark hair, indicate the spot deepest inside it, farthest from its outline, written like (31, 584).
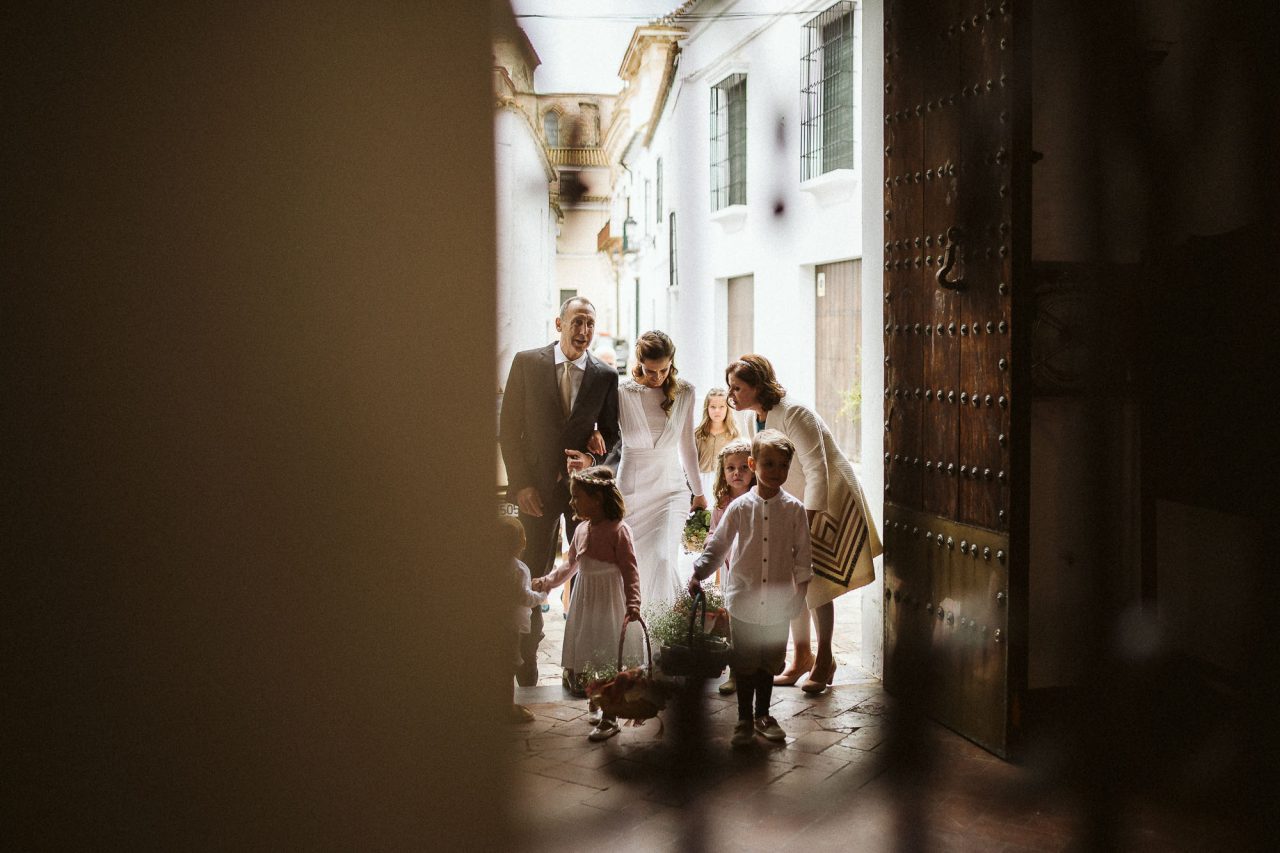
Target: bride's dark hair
(657, 345)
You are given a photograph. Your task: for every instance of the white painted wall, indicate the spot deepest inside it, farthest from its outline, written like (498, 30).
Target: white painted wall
(786, 230)
(525, 240)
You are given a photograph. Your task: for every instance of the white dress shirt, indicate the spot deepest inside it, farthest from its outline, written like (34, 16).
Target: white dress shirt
(771, 556)
(580, 363)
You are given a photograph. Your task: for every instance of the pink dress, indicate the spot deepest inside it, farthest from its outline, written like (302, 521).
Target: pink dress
(604, 560)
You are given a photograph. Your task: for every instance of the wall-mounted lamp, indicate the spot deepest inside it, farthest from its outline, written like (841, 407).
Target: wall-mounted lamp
(628, 244)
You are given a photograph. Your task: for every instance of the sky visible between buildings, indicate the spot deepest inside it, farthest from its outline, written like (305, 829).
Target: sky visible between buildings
(581, 42)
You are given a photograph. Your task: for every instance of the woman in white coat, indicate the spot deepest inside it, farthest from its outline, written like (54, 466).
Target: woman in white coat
(844, 536)
(659, 466)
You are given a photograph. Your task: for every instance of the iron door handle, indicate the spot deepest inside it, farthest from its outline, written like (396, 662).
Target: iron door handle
(955, 234)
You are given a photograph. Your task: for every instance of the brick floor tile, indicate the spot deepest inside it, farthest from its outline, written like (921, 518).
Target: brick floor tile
(578, 726)
(800, 724)
(539, 726)
(568, 753)
(859, 757)
(545, 797)
(826, 705)
(816, 741)
(596, 755)
(798, 782)
(814, 761)
(536, 764)
(848, 721)
(855, 775)
(875, 706)
(730, 793)
(588, 776)
(785, 709)
(559, 711)
(867, 737)
(551, 740)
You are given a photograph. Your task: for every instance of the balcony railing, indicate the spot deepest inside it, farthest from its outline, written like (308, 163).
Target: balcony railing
(578, 156)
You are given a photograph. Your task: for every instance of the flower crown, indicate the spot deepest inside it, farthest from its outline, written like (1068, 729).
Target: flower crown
(592, 480)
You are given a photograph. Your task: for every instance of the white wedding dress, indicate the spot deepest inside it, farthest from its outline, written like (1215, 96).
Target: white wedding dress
(659, 469)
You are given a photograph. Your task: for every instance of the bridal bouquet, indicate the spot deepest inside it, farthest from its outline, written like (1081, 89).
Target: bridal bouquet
(696, 528)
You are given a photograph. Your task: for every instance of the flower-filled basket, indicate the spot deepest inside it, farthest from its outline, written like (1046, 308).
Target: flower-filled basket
(633, 694)
(700, 654)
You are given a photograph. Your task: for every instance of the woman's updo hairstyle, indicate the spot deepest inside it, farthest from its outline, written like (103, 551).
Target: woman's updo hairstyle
(656, 345)
(756, 371)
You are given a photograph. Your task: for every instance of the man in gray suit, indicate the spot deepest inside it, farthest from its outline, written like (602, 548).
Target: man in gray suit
(555, 397)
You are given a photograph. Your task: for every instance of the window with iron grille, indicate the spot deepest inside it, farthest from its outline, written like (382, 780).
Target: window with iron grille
(827, 97)
(729, 142)
(551, 128)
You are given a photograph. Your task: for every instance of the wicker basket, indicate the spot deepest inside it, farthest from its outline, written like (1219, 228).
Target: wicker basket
(702, 655)
(633, 694)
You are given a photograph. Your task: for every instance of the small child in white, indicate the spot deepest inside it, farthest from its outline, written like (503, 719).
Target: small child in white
(511, 534)
(768, 532)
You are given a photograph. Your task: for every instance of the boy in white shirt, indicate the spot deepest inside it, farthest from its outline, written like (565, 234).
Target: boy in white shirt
(768, 532)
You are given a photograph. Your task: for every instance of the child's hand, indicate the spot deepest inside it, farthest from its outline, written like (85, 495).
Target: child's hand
(537, 585)
(595, 444)
(695, 587)
(633, 612)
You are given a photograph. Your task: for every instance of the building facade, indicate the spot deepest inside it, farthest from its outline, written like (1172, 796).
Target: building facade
(527, 216)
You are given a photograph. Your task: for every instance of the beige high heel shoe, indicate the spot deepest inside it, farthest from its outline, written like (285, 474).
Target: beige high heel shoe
(787, 680)
(817, 683)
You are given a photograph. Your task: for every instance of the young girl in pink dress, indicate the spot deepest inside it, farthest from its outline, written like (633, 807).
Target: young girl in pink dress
(733, 480)
(607, 588)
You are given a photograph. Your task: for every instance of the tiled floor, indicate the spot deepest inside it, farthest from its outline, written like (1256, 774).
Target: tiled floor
(833, 785)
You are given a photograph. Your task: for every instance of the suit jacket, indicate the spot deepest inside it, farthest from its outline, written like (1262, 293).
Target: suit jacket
(533, 430)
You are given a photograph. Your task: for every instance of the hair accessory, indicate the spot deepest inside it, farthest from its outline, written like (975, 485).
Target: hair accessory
(591, 479)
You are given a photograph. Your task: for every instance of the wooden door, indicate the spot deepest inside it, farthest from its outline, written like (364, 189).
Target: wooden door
(742, 316)
(957, 232)
(837, 343)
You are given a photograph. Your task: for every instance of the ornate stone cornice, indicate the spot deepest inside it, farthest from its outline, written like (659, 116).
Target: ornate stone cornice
(512, 103)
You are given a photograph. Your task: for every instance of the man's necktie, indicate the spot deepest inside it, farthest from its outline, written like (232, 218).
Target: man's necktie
(566, 388)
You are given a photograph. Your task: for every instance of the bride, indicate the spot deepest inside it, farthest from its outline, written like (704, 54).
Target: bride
(659, 464)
